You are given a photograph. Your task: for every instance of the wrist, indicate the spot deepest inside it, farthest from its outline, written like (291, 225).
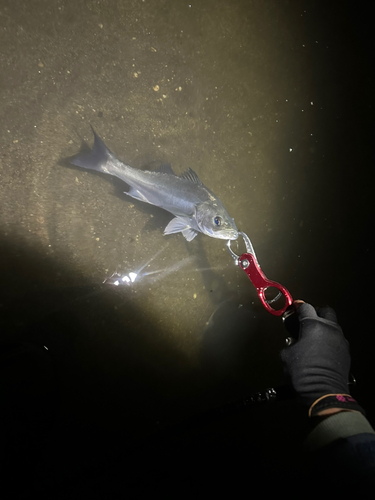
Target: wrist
(330, 411)
(318, 417)
(322, 415)
(329, 404)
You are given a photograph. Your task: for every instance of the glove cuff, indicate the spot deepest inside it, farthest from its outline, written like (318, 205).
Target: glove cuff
(344, 401)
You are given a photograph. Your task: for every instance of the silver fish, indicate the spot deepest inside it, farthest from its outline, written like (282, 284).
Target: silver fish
(195, 207)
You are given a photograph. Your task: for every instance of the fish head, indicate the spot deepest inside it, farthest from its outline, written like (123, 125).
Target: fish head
(213, 220)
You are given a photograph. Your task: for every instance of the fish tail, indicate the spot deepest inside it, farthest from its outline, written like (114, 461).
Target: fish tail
(97, 158)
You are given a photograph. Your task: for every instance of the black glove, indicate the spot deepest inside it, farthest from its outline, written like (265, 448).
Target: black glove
(318, 363)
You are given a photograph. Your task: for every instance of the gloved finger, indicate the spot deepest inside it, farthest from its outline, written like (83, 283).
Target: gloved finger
(327, 313)
(285, 355)
(297, 303)
(305, 311)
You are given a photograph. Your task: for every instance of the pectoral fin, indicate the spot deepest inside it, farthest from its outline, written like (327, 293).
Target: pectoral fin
(189, 233)
(181, 225)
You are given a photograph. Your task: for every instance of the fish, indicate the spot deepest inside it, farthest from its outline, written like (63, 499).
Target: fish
(195, 207)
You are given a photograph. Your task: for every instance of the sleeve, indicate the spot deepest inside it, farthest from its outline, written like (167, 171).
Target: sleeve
(341, 455)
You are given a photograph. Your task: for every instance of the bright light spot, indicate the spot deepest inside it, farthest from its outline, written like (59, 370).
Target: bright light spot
(116, 283)
(132, 276)
(290, 150)
(126, 278)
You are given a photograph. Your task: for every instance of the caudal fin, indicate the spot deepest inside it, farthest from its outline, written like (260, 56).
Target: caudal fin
(95, 159)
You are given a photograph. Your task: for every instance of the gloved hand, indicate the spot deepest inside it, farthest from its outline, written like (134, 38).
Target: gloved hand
(318, 363)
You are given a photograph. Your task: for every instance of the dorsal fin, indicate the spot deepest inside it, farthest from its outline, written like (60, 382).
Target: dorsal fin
(165, 168)
(191, 176)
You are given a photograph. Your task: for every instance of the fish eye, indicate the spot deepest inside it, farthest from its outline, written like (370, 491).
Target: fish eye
(217, 220)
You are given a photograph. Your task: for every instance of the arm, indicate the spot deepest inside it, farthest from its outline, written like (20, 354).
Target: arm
(340, 449)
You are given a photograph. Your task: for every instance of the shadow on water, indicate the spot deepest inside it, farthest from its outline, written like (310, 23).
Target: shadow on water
(88, 378)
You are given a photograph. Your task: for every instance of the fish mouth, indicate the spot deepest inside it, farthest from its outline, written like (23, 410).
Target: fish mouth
(224, 234)
(227, 235)
(233, 235)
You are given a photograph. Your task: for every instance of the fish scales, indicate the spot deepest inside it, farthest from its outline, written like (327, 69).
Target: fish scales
(195, 207)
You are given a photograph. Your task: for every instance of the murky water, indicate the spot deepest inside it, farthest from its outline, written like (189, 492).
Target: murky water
(258, 99)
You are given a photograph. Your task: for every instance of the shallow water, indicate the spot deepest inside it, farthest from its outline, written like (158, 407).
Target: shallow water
(268, 103)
